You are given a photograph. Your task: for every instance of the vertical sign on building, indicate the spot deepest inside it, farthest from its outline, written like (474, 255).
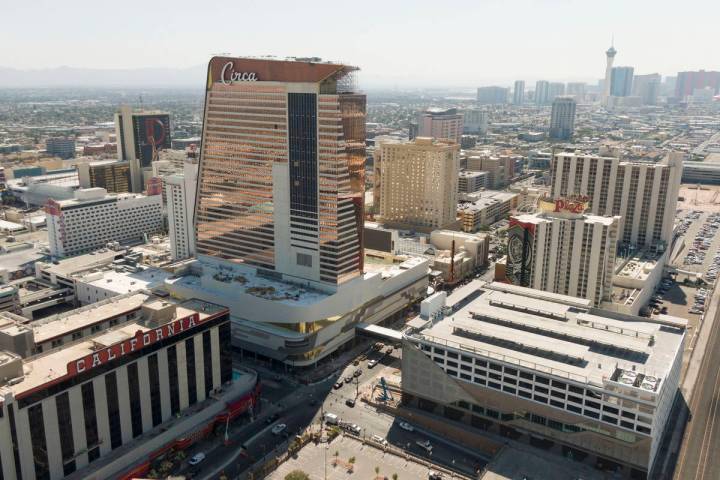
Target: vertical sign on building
(521, 237)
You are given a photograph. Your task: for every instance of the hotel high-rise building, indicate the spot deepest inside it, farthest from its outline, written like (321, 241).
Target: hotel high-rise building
(279, 211)
(282, 168)
(419, 183)
(562, 119)
(564, 252)
(180, 192)
(647, 87)
(644, 194)
(441, 124)
(140, 136)
(112, 175)
(688, 82)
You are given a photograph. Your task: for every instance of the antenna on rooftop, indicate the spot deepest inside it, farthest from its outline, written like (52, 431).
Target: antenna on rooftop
(141, 101)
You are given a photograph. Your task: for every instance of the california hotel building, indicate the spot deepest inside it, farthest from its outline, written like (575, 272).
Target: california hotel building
(279, 210)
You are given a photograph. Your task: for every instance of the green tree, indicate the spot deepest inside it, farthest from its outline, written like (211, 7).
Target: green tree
(395, 476)
(297, 475)
(377, 470)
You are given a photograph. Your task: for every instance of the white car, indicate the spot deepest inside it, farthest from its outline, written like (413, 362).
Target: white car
(380, 440)
(197, 458)
(406, 426)
(279, 428)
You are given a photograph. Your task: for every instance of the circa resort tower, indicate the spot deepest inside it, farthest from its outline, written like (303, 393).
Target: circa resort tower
(279, 212)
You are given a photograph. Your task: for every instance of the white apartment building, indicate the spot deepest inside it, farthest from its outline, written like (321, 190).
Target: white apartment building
(562, 252)
(643, 194)
(484, 208)
(93, 218)
(419, 186)
(180, 197)
(536, 365)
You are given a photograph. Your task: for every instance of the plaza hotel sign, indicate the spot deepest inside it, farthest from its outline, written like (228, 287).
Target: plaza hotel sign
(574, 204)
(133, 344)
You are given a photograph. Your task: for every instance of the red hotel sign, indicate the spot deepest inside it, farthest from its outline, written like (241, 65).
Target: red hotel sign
(140, 340)
(573, 205)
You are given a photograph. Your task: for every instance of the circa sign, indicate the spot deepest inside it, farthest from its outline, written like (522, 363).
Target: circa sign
(229, 76)
(140, 340)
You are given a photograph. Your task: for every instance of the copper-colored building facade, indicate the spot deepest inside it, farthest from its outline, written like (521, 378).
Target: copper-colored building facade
(281, 176)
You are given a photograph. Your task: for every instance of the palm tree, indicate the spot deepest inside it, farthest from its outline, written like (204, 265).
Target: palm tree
(395, 476)
(377, 471)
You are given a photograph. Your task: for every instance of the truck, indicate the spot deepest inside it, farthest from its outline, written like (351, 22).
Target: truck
(331, 419)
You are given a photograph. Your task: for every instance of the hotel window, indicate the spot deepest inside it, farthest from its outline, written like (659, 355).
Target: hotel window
(155, 401)
(111, 392)
(207, 361)
(135, 406)
(67, 445)
(38, 442)
(190, 370)
(91, 431)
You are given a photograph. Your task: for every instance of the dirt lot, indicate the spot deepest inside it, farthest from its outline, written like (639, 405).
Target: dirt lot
(706, 199)
(317, 462)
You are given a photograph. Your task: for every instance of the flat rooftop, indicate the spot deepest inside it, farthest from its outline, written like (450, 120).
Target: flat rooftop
(52, 365)
(62, 324)
(545, 332)
(70, 266)
(127, 281)
(247, 280)
(485, 198)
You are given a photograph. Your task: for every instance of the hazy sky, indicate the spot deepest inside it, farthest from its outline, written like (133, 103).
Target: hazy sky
(404, 43)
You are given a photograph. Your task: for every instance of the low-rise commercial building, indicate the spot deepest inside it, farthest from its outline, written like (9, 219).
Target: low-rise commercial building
(471, 182)
(482, 209)
(546, 367)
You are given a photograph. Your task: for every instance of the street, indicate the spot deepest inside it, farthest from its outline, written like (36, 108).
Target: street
(293, 403)
(698, 457)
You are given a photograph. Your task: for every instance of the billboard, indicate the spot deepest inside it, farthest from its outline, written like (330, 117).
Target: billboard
(152, 133)
(520, 241)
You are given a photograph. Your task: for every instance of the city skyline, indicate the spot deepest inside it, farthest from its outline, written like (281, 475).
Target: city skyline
(532, 52)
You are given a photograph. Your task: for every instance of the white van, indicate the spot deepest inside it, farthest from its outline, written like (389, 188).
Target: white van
(331, 418)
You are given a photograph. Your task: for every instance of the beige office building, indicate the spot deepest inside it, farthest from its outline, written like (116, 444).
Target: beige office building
(643, 194)
(419, 182)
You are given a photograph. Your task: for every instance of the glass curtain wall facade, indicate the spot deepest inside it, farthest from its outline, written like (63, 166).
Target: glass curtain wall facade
(281, 176)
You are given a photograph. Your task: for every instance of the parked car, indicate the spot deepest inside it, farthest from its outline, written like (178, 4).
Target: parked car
(338, 385)
(350, 402)
(435, 476)
(279, 428)
(425, 445)
(380, 440)
(272, 418)
(357, 373)
(348, 379)
(372, 363)
(197, 458)
(406, 426)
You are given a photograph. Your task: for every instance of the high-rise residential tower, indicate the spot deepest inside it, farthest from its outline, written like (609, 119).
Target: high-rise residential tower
(562, 119)
(556, 89)
(610, 55)
(542, 92)
(519, 92)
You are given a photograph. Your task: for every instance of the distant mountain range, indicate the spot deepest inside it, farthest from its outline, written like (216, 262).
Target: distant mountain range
(92, 77)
